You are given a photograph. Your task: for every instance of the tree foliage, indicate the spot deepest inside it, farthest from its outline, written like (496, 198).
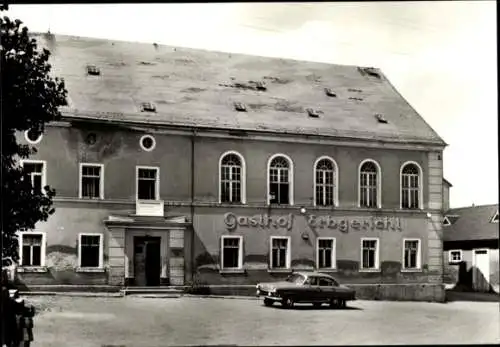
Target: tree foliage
(30, 98)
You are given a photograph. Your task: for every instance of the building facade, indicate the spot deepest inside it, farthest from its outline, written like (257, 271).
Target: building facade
(470, 249)
(173, 165)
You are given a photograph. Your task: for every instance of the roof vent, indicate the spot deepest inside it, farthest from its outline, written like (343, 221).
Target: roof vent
(381, 118)
(371, 71)
(330, 92)
(240, 107)
(93, 70)
(313, 113)
(357, 99)
(148, 107)
(354, 90)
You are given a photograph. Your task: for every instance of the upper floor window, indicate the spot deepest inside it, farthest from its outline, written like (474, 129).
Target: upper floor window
(280, 189)
(411, 186)
(232, 178)
(369, 184)
(325, 184)
(148, 184)
(91, 181)
(36, 172)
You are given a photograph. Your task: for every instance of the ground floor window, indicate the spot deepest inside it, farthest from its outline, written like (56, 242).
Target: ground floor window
(369, 254)
(411, 255)
(455, 256)
(280, 252)
(232, 252)
(32, 250)
(325, 253)
(90, 251)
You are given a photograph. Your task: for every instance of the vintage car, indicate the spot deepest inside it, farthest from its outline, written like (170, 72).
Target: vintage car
(306, 287)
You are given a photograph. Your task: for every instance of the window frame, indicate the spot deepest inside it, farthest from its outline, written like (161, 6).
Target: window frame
(242, 181)
(420, 185)
(157, 181)
(240, 253)
(99, 268)
(334, 254)
(418, 268)
(377, 255)
(44, 170)
(43, 251)
(335, 181)
(379, 183)
(450, 258)
(101, 181)
(36, 142)
(290, 179)
(288, 257)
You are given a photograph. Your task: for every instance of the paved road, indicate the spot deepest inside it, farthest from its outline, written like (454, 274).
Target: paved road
(133, 321)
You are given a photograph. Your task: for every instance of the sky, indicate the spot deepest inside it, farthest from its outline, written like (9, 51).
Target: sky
(441, 56)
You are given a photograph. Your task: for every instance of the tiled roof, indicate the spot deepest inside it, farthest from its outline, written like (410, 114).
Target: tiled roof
(472, 223)
(192, 87)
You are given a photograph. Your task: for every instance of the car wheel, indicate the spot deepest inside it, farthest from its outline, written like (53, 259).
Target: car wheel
(268, 302)
(317, 304)
(287, 303)
(333, 303)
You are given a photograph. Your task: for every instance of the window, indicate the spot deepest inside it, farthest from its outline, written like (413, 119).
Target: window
(232, 252)
(280, 171)
(32, 250)
(326, 282)
(232, 178)
(369, 184)
(325, 256)
(411, 254)
(32, 136)
(36, 172)
(455, 256)
(90, 251)
(91, 181)
(369, 254)
(325, 184)
(280, 252)
(148, 185)
(410, 186)
(147, 143)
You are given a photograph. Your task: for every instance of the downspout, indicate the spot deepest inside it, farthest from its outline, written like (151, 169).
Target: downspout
(193, 181)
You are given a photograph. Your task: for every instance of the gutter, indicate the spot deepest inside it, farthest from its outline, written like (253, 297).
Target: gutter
(193, 180)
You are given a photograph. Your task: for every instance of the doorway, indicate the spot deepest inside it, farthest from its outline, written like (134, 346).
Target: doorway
(481, 270)
(147, 261)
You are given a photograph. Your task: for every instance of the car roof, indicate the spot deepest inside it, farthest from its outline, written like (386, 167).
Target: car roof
(313, 274)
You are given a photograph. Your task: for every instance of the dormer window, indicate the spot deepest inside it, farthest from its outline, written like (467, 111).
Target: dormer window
(148, 107)
(93, 70)
(494, 219)
(381, 118)
(313, 113)
(240, 107)
(446, 221)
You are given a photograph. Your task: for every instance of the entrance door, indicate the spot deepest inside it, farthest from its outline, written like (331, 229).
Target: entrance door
(147, 261)
(481, 270)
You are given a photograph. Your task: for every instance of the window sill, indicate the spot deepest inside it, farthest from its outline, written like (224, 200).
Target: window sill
(369, 270)
(90, 269)
(454, 262)
(32, 269)
(411, 270)
(232, 271)
(280, 270)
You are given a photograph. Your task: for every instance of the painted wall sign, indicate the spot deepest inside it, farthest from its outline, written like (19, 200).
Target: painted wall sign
(232, 221)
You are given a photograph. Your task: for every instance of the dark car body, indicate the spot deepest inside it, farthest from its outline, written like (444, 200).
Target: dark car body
(306, 287)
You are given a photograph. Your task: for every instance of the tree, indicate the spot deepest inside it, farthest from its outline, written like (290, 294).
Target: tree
(30, 98)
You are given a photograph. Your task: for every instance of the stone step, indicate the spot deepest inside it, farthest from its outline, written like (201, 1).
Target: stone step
(153, 291)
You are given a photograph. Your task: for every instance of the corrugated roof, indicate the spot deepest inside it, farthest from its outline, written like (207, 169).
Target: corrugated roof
(192, 87)
(472, 223)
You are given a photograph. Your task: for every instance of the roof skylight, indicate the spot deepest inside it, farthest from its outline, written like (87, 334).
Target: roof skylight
(240, 107)
(381, 118)
(313, 113)
(93, 70)
(148, 107)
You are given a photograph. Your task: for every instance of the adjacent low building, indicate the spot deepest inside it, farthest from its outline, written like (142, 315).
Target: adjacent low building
(471, 240)
(175, 165)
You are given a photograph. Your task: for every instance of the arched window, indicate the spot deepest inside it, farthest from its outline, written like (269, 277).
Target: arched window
(232, 178)
(325, 185)
(410, 186)
(280, 180)
(369, 189)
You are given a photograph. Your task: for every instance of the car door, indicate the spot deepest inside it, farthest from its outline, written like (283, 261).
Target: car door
(328, 288)
(312, 291)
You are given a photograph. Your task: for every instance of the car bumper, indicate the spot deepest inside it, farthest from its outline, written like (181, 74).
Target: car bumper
(267, 295)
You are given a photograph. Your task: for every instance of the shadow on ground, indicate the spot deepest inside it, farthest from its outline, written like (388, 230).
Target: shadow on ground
(455, 295)
(312, 308)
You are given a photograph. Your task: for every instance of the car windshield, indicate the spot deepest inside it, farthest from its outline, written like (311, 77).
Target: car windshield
(295, 278)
